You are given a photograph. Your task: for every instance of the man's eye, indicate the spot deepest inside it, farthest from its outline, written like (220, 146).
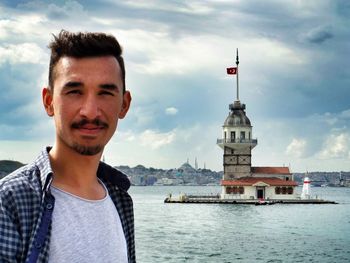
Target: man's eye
(106, 93)
(74, 92)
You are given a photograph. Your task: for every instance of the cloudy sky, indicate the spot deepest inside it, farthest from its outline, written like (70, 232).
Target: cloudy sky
(294, 78)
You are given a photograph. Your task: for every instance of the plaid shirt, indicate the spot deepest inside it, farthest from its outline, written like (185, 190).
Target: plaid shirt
(21, 205)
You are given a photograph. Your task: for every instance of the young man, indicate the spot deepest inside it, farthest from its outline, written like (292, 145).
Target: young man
(68, 206)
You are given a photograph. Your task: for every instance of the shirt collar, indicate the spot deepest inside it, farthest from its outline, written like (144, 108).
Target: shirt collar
(43, 164)
(109, 174)
(105, 172)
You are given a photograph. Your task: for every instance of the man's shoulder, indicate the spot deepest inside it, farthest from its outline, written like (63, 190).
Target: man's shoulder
(113, 176)
(20, 181)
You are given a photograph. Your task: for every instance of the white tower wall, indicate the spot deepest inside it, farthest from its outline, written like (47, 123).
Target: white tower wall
(306, 192)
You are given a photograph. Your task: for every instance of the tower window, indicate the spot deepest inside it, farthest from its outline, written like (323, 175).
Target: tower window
(242, 135)
(233, 136)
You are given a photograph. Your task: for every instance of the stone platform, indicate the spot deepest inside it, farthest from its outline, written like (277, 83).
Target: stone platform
(215, 199)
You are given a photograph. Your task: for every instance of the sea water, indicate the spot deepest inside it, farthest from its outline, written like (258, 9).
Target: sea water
(240, 233)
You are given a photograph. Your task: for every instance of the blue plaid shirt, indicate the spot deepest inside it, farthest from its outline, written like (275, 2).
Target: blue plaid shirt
(21, 206)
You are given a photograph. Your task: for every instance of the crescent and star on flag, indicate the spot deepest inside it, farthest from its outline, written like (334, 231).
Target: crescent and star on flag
(234, 71)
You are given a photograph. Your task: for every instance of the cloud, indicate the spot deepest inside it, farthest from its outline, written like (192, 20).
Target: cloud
(176, 53)
(142, 116)
(17, 26)
(22, 73)
(192, 7)
(127, 136)
(167, 149)
(171, 111)
(337, 119)
(155, 139)
(204, 54)
(161, 53)
(336, 146)
(296, 148)
(54, 11)
(318, 35)
(21, 53)
(345, 114)
(69, 9)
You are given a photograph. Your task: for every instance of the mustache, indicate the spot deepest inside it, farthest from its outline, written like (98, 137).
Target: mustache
(97, 122)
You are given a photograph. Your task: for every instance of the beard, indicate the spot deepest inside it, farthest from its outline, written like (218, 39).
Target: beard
(87, 150)
(83, 149)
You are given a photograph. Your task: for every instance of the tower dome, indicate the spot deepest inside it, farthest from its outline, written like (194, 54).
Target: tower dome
(237, 116)
(237, 138)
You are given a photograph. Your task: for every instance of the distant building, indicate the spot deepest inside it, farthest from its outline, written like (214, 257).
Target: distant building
(187, 169)
(241, 180)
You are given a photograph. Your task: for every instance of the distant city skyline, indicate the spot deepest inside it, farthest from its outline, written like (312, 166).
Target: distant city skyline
(294, 76)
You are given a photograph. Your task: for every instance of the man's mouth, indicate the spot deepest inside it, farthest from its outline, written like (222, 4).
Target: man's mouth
(90, 127)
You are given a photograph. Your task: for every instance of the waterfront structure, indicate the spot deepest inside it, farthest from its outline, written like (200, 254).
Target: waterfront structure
(242, 183)
(240, 179)
(306, 192)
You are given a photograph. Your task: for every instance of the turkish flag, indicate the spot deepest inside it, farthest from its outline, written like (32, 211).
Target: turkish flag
(231, 71)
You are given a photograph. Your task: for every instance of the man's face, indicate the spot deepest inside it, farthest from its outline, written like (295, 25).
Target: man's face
(86, 102)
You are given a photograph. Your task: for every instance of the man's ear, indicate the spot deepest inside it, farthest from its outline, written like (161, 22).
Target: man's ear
(125, 105)
(47, 101)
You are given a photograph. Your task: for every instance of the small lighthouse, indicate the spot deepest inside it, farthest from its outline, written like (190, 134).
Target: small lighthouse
(306, 192)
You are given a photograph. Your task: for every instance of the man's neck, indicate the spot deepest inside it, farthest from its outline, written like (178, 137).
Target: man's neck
(76, 173)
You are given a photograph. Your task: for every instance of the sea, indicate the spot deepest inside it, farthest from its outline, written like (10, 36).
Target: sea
(173, 233)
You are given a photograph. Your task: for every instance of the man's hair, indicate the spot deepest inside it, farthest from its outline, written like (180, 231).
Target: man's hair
(81, 45)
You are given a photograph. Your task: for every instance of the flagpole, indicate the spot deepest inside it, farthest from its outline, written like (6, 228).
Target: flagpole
(237, 62)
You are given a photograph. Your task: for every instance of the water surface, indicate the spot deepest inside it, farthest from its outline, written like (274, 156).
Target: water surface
(239, 233)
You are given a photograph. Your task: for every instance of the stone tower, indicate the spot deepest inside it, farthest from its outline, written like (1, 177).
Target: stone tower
(236, 140)
(237, 143)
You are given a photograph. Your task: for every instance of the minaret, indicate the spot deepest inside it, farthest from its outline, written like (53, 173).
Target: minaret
(236, 140)
(195, 164)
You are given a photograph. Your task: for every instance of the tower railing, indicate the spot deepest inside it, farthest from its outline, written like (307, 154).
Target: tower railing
(237, 140)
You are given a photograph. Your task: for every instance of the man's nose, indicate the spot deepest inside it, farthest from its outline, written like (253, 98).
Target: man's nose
(90, 108)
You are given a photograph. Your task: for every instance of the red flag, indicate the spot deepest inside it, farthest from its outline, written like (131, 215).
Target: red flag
(231, 71)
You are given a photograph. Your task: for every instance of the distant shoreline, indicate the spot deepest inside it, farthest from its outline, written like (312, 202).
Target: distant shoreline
(187, 175)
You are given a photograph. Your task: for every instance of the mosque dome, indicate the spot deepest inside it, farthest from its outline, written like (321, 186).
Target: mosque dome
(237, 116)
(186, 167)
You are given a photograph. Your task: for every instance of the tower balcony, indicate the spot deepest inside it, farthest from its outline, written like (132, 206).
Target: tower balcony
(236, 143)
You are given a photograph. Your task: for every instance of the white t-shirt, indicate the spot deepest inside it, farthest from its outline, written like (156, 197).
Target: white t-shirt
(86, 230)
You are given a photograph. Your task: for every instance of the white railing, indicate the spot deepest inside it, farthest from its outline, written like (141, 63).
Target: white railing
(254, 141)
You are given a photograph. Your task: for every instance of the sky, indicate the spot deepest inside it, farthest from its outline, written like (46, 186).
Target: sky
(294, 77)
